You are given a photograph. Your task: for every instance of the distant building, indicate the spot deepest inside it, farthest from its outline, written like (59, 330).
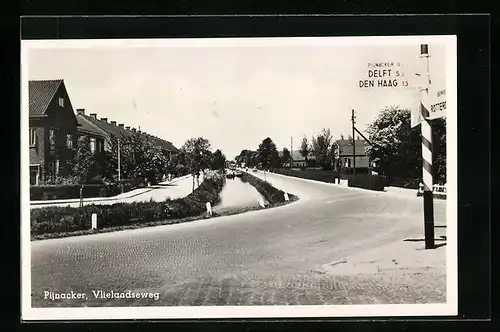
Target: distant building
(298, 159)
(345, 153)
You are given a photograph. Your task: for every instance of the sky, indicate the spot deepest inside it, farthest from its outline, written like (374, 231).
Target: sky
(235, 94)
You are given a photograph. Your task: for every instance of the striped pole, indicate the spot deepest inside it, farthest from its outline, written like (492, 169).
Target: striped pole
(427, 155)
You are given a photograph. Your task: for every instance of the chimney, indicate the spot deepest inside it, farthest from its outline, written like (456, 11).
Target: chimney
(80, 111)
(113, 123)
(104, 119)
(127, 127)
(93, 115)
(120, 125)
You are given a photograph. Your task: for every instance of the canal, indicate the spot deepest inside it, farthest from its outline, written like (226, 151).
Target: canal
(237, 194)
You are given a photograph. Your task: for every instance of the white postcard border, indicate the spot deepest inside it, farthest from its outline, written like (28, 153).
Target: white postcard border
(450, 308)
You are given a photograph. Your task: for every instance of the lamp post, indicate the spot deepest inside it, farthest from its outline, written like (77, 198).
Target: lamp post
(119, 168)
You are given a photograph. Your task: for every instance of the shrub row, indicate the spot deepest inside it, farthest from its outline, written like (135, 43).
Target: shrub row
(68, 219)
(367, 181)
(270, 193)
(311, 174)
(46, 192)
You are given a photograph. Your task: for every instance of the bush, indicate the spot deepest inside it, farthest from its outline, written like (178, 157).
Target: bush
(311, 174)
(68, 219)
(367, 181)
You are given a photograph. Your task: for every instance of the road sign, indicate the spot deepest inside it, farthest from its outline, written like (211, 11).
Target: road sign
(438, 103)
(435, 103)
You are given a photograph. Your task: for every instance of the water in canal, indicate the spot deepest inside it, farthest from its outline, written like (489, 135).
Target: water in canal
(237, 194)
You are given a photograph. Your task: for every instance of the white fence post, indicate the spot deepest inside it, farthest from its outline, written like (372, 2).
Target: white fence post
(209, 209)
(262, 203)
(94, 220)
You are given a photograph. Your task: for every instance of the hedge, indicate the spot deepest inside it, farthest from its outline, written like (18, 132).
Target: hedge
(270, 193)
(367, 181)
(68, 219)
(46, 192)
(311, 174)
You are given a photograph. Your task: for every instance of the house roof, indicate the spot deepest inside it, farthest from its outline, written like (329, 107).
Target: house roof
(40, 95)
(345, 147)
(119, 131)
(86, 126)
(297, 156)
(106, 126)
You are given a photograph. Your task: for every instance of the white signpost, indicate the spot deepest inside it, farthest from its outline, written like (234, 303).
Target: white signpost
(94, 220)
(286, 197)
(209, 209)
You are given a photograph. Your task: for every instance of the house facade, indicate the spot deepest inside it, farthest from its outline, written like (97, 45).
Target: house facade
(298, 160)
(109, 128)
(346, 156)
(52, 129)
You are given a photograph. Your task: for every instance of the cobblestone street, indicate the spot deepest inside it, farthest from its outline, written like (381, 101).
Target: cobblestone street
(273, 256)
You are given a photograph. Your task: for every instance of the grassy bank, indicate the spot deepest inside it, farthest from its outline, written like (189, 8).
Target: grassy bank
(63, 221)
(57, 222)
(273, 195)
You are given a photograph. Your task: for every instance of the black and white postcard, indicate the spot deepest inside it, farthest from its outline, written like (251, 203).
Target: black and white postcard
(239, 177)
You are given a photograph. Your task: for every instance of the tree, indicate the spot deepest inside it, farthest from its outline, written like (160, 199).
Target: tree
(398, 147)
(323, 148)
(218, 160)
(198, 155)
(140, 158)
(268, 153)
(286, 158)
(83, 162)
(304, 148)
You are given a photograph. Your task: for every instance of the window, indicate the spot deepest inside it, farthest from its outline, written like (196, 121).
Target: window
(32, 137)
(52, 137)
(92, 145)
(61, 101)
(69, 141)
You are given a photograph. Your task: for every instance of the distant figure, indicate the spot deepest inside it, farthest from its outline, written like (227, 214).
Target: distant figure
(169, 176)
(164, 178)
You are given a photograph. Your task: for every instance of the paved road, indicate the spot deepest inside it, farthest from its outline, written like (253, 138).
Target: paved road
(271, 256)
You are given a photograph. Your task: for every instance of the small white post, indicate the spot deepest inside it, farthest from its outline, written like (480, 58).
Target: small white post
(209, 209)
(261, 202)
(286, 197)
(94, 220)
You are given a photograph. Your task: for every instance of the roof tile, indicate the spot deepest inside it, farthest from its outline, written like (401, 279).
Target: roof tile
(40, 95)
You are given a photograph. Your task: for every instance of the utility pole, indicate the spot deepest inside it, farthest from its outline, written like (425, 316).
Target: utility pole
(427, 155)
(353, 145)
(119, 168)
(291, 151)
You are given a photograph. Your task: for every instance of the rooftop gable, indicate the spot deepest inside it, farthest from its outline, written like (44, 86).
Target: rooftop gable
(41, 94)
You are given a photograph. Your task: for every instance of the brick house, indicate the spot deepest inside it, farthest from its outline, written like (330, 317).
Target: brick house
(345, 153)
(52, 129)
(108, 128)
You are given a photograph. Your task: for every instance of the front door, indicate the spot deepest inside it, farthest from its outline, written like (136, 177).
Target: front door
(34, 175)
